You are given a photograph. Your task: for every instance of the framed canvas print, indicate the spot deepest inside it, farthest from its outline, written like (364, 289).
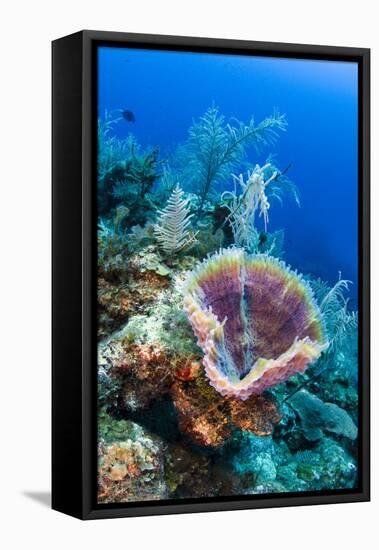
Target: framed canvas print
(210, 274)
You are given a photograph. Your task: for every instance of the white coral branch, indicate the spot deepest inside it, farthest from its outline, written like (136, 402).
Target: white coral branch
(172, 227)
(243, 206)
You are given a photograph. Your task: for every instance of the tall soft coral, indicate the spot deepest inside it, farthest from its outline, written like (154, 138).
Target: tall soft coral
(214, 148)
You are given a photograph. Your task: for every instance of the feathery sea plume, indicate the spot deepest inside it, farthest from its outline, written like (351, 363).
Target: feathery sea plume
(214, 148)
(172, 228)
(339, 321)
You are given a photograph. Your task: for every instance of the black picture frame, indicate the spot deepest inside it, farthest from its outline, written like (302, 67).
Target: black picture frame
(74, 273)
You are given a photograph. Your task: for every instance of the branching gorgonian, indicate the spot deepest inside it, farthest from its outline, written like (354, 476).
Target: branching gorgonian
(214, 148)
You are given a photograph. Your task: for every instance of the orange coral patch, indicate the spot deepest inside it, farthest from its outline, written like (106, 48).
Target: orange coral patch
(257, 414)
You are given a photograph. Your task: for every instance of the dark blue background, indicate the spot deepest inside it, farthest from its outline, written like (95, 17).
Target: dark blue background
(167, 90)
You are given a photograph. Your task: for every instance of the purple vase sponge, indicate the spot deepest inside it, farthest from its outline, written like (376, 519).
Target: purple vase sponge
(256, 321)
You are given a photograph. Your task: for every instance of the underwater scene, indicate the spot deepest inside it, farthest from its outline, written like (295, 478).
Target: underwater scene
(227, 255)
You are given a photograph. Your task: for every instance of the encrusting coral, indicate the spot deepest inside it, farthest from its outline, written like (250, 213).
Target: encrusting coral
(118, 300)
(256, 321)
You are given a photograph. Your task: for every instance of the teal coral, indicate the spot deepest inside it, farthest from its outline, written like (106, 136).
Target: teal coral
(317, 417)
(267, 466)
(125, 174)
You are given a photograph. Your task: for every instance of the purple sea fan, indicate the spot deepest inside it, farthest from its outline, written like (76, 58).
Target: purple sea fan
(256, 321)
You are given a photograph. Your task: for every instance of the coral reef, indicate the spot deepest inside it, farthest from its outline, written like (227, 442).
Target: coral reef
(339, 384)
(140, 237)
(264, 466)
(125, 174)
(130, 467)
(255, 320)
(144, 374)
(208, 419)
(326, 466)
(119, 300)
(187, 473)
(133, 375)
(220, 370)
(209, 241)
(255, 460)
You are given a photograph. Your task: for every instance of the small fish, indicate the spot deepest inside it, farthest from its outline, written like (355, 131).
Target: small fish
(262, 238)
(129, 116)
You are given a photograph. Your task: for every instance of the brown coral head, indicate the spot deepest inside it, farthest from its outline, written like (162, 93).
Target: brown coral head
(144, 372)
(202, 417)
(257, 414)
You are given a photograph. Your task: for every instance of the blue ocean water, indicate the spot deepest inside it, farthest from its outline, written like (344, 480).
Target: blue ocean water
(166, 91)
